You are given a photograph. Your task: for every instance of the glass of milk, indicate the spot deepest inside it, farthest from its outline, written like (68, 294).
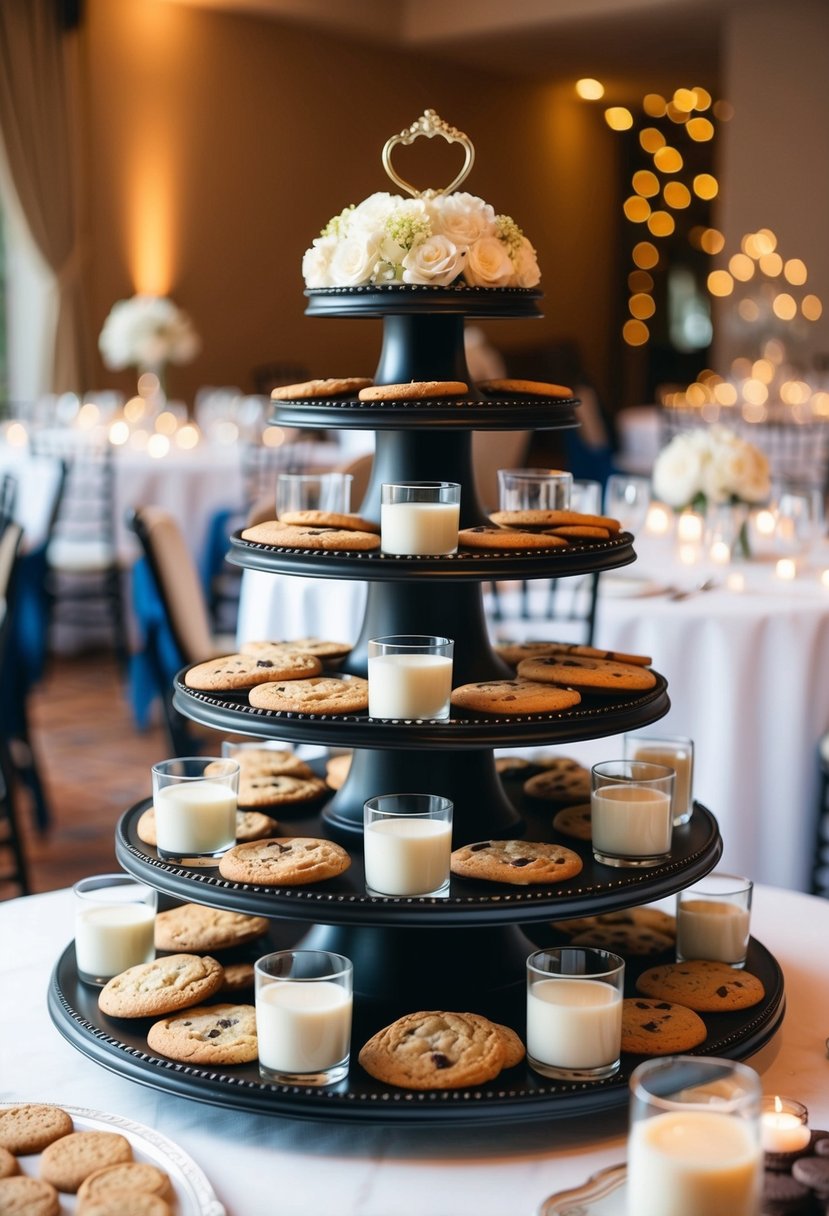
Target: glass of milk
(114, 926)
(407, 844)
(419, 517)
(410, 677)
(534, 489)
(631, 812)
(303, 1016)
(713, 918)
(676, 752)
(574, 1012)
(195, 806)
(313, 492)
(694, 1144)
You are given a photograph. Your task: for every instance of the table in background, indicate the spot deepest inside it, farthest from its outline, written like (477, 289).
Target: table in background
(257, 1164)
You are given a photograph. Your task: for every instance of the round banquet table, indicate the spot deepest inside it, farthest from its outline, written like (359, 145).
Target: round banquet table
(258, 1164)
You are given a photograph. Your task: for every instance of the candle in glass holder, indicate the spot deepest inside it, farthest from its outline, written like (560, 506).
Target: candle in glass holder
(419, 517)
(784, 1125)
(409, 677)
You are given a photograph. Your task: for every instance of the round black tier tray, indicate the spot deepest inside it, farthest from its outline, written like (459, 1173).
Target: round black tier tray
(592, 719)
(468, 565)
(434, 413)
(343, 901)
(517, 1094)
(416, 298)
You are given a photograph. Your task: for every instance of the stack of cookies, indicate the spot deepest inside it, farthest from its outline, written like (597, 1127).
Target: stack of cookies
(97, 1167)
(522, 531)
(284, 676)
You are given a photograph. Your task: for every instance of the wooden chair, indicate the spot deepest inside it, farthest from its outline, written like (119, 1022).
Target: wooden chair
(180, 633)
(13, 870)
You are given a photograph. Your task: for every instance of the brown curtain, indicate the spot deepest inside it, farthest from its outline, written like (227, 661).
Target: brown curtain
(37, 101)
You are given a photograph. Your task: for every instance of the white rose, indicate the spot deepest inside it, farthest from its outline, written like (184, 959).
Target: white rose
(525, 262)
(436, 260)
(316, 262)
(463, 218)
(372, 212)
(354, 260)
(488, 264)
(677, 473)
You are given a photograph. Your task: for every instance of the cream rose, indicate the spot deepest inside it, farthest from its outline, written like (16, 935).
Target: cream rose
(525, 262)
(677, 473)
(488, 264)
(463, 218)
(436, 260)
(354, 260)
(316, 262)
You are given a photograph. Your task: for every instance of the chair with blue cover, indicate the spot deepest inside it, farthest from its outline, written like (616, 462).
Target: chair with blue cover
(13, 869)
(172, 618)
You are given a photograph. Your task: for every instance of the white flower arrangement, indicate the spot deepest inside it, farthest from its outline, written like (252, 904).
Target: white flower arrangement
(449, 238)
(710, 465)
(147, 332)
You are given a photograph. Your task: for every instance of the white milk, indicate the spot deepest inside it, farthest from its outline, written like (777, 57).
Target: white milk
(574, 1023)
(693, 1163)
(302, 1026)
(409, 685)
(407, 856)
(419, 527)
(631, 821)
(111, 937)
(680, 760)
(195, 817)
(711, 929)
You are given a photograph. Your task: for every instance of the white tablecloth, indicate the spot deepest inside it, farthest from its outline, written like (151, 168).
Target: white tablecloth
(748, 679)
(261, 1165)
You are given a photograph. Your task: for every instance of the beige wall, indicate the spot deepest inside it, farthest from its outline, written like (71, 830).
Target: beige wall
(217, 146)
(775, 154)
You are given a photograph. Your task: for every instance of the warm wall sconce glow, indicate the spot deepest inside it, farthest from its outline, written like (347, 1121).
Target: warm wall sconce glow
(618, 118)
(589, 89)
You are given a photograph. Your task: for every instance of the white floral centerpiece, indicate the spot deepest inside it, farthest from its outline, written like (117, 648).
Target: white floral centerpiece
(440, 240)
(711, 466)
(147, 332)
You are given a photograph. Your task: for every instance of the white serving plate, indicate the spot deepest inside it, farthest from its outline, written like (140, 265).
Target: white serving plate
(602, 1195)
(194, 1194)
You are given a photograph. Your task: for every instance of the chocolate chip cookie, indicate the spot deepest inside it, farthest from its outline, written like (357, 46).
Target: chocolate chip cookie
(518, 862)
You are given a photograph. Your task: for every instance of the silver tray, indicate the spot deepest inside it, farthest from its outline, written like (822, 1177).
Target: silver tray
(194, 1194)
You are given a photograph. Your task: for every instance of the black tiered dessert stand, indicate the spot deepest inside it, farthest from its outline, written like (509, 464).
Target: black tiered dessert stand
(467, 951)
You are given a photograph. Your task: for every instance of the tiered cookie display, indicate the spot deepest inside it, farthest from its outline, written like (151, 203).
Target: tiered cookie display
(514, 871)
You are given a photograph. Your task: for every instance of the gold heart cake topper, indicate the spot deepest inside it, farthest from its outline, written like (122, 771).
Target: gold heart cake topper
(430, 125)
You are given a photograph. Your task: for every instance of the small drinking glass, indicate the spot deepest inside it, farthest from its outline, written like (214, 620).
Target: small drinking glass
(534, 489)
(114, 926)
(799, 518)
(303, 1016)
(410, 677)
(713, 918)
(574, 1012)
(631, 812)
(673, 751)
(586, 497)
(313, 492)
(195, 800)
(419, 517)
(694, 1145)
(407, 844)
(627, 499)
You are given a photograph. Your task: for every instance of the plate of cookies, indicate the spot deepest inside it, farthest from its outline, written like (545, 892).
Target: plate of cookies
(56, 1159)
